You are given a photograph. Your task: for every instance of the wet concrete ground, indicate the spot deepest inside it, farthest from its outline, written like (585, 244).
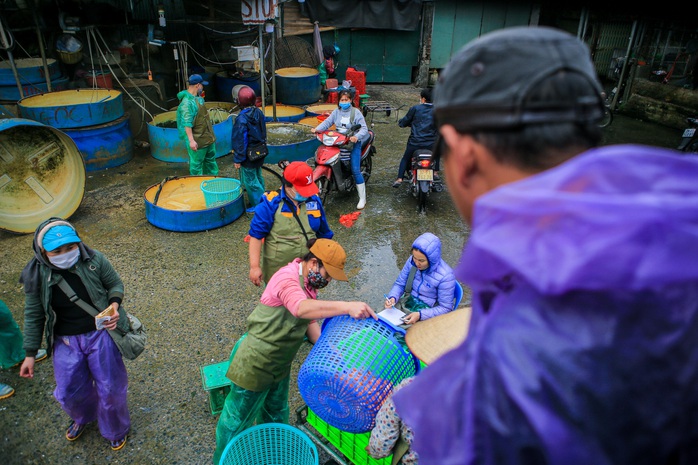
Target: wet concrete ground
(192, 292)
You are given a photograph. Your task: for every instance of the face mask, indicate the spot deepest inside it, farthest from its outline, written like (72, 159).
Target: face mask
(344, 105)
(299, 198)
(200, 92)
(316, 280)
(65, 260)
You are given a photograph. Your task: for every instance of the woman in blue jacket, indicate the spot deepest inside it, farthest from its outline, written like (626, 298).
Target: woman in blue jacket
(249, 129)
(433, 284)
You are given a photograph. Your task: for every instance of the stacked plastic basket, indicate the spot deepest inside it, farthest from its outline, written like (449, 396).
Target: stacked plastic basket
(351, 369)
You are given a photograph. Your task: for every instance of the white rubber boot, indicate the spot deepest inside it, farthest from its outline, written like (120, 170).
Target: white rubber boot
(361, 188)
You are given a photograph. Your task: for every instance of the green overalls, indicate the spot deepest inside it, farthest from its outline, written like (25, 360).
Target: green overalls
(260, 371)
(285, 241)
(203, 160)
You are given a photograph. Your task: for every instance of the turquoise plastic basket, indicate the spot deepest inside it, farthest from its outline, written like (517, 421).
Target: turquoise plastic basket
(220, 191)
(351, 369)
(270, 444)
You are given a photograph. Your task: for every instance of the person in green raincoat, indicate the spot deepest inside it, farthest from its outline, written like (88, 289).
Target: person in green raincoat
(261, 368)
(11, 351)
(195, 127)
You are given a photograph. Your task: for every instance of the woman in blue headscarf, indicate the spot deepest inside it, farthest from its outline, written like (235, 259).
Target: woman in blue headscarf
(91, 379)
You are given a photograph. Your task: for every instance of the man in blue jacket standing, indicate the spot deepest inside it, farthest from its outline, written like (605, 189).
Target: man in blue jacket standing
(422, 134)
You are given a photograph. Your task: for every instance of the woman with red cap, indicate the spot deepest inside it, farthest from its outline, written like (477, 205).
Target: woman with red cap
(283, 223)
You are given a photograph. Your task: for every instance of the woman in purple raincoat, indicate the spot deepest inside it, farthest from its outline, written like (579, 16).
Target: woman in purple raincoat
(91, 379)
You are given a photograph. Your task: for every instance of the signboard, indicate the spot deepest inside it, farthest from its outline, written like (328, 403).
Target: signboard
(258, 11)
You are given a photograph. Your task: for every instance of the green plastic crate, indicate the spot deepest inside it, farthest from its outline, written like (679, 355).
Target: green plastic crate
(352, 446)
(217, 384)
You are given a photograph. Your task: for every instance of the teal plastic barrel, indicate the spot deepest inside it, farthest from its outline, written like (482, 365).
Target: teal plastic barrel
(298, 86)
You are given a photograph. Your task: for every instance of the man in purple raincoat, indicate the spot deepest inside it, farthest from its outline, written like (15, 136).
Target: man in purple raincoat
(583, 265)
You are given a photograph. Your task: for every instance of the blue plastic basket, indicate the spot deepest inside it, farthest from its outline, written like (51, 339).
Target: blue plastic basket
(270, 444)
(220, 191)
(351, 369)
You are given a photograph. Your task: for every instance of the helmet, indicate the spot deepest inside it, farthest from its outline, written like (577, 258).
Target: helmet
(246, 96)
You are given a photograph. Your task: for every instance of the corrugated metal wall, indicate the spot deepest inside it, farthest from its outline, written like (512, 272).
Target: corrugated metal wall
(609, 42)
(457, 23)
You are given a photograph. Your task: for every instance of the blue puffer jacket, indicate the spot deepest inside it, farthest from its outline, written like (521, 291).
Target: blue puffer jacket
(435, 286)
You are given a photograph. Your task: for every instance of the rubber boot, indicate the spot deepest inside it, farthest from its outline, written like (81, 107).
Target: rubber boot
(361, 188)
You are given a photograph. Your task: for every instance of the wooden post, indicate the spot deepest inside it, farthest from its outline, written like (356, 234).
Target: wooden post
(42, 48)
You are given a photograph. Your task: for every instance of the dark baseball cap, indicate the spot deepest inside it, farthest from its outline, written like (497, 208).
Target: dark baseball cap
(486, 84)
(197, 79)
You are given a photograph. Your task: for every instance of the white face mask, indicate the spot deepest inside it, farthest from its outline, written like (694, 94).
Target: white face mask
(65, 260)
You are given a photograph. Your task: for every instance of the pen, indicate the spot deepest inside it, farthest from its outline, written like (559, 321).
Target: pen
(386, 297)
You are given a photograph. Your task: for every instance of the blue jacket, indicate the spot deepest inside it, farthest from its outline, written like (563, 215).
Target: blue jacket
(435, 286)
(421, 119)
(250, 128)
(263, 219)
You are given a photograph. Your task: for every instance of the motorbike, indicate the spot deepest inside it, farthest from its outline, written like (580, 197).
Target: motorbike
(422, 181)
(332, 161)
(689, 139)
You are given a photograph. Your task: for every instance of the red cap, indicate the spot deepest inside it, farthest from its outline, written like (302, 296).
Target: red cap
(300, 174)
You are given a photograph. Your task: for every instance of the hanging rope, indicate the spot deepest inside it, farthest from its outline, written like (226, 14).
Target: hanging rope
(97, 36)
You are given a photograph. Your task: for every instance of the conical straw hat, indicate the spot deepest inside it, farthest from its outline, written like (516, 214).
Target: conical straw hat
(430, 339)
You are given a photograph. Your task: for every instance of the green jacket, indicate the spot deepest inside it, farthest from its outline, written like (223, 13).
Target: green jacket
(102, 283)
(189, 116)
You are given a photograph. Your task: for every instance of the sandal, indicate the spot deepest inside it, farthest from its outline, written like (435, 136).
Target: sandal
(397, 183)
(118, 444)
(74, 431)
(6, 391)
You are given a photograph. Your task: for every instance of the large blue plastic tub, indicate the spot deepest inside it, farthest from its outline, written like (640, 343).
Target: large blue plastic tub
(298, 86)
(105, 145)
(294, 151)
(68, 109)
(165, 144)
(178, 204)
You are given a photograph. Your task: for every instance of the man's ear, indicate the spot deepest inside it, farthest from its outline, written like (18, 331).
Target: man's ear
(461, 154)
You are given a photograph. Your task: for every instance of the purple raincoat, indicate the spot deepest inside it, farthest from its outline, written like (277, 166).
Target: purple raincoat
(583, 348)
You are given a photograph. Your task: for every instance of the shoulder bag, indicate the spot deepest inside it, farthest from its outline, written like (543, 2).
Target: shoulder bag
(407, 302)
(257, 151)
(130, 344)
